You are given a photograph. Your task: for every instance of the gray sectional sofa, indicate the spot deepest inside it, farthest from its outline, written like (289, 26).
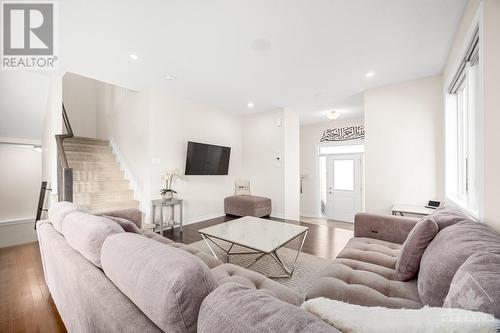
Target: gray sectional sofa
(464, 256)
(104, 279)
(105, 275)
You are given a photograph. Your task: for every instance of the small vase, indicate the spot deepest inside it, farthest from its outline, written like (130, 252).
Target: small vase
(168, 196)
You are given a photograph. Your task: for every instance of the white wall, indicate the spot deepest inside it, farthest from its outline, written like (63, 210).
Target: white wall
(80, 100)
(123, 117)
(20, 176)
(267, 136)
(309, 141)
(263, 142)
(174, 122)
(491, 112)
(52, 125)
(23, 97)
(151, 130)
(404, 155)
(292, 165)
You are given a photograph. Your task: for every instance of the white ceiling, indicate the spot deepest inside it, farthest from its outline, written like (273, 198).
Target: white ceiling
(305, 55)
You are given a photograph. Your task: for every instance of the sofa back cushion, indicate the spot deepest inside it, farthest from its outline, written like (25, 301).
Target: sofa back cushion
(476, 285)
(86, 233)
(450, 248)
(409, 257)
(233, 308)
(58, 211)
(166, 283)
(447, 216)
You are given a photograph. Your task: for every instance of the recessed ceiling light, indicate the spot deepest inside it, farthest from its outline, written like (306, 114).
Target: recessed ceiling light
(170, 77)
(332, 115)
(250, 105)
(134, 56)
(369, 74)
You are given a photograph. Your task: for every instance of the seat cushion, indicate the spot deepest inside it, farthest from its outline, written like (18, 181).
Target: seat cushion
(233, 308)
(86, 233)
(451, 247)
(371, 250)
(227, 273)
(364, 283)
(475, 286)
(166, 283)
(413, 248)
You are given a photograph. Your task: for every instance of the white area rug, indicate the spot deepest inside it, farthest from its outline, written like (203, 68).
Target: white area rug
(306, 269)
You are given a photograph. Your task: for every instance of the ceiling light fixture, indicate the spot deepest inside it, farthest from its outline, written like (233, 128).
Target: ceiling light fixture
(332, 115)
(369, 74)
(134, 56)
(250, 105)
(170, 77)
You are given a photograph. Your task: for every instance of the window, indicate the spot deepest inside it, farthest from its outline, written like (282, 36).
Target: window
(343, 175)
(341, 149)
(462, 132)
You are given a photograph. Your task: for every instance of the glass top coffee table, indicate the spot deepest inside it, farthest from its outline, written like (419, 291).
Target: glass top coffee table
(261, 236)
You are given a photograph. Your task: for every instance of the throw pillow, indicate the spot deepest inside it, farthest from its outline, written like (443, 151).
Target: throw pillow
(361, 319)
(409, 258)
(128, 226)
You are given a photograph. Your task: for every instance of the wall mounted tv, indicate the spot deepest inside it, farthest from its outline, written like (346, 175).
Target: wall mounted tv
(205, 159)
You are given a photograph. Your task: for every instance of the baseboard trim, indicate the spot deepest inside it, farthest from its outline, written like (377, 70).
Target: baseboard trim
(17, 221)
(311, 216)
(202, 218)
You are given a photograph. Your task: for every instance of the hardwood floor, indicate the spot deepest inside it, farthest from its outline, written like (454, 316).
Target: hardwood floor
(25, 301)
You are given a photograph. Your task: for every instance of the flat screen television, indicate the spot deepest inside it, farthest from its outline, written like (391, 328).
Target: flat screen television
(205, 159)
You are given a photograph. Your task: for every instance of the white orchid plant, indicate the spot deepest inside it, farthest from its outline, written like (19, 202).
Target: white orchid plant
(168, 177)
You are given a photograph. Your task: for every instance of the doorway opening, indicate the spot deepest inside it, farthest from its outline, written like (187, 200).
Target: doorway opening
(341, 182)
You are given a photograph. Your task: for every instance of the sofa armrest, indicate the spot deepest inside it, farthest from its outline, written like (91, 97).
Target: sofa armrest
(131, 214)
(389, 228)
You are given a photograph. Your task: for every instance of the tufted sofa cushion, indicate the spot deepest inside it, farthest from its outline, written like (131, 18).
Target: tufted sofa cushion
(372, 250)
(362, 283)
(364, 274)
(227, 273)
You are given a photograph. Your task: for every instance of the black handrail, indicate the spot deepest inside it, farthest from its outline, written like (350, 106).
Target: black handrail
(41, 201)
(64, 172)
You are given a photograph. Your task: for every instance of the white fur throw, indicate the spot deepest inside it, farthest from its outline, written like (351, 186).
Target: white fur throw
(350, 318)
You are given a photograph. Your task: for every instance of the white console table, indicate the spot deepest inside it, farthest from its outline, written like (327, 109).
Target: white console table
(173, 222)
(402, 210)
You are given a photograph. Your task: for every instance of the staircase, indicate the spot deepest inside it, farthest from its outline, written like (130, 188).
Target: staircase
(98, 183)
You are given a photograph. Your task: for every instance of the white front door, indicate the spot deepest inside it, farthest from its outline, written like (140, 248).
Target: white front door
(344, 181)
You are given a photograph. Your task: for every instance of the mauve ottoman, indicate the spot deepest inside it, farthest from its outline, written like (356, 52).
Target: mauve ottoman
(247, 205)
